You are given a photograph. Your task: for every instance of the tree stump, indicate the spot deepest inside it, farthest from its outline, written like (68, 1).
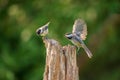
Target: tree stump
(60, 61)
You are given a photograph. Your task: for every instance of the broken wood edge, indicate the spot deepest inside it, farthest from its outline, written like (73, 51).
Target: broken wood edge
(61, 62)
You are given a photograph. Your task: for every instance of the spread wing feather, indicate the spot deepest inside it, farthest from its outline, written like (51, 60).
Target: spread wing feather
(80, 28)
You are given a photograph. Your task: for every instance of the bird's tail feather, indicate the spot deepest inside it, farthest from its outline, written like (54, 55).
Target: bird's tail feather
(87, 51)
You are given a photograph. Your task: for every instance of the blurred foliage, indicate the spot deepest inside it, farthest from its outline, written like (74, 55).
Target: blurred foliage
(22, 53)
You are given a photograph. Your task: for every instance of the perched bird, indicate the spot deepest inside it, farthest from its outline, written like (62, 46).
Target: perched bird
(78, 34)
(43, 31)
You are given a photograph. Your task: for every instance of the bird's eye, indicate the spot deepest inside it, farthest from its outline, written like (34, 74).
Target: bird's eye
(39, 31)
(70, 37)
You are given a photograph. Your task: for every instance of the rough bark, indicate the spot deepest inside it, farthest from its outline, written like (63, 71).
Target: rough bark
(60, 61)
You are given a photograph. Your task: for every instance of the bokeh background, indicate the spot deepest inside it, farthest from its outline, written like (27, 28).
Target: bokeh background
(22, 52)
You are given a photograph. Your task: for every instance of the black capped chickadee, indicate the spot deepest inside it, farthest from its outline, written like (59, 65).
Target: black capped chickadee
(78, 34)
(43, 31)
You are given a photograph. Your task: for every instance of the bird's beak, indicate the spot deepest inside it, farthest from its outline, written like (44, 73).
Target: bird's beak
(47, 24)
(69, 35)
(66, 35)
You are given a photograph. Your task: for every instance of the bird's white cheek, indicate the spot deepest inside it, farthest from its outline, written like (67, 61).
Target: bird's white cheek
(44, 33)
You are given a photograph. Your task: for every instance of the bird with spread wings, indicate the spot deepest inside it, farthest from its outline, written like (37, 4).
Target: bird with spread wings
(79, 34)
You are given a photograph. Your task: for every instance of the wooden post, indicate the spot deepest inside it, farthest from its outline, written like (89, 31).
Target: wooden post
(60, 61)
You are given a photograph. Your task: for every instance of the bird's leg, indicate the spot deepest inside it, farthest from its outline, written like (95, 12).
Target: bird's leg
(78, 50)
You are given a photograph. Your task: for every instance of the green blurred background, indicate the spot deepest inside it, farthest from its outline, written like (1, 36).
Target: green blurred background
(22, 52)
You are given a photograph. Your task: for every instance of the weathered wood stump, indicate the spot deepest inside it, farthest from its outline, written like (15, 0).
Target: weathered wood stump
(60, 61)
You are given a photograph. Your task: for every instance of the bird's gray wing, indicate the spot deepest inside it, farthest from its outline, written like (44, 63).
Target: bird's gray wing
(80, 28)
